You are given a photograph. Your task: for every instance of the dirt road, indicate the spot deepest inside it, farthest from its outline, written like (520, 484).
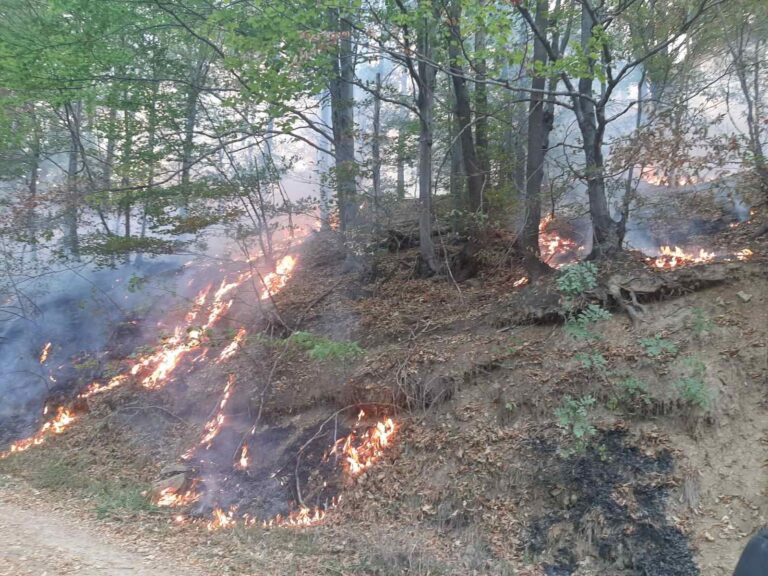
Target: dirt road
(34, 542)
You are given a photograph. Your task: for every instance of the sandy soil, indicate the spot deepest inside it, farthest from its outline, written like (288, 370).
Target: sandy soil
(40, 543)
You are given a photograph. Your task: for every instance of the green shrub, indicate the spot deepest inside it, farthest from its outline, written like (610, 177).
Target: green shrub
(691, 387)
(656, 346)
(701, 323)
(575, 418)
(320, 348)
(577, 326)
(592, 361)
(576, 279)
(634, 390)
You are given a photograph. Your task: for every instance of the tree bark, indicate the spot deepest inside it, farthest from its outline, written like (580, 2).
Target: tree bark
(425, 103)
(463, 111)
(343, 121)
(481, 100)
(73, 112)
(376, 150)
(528, 240)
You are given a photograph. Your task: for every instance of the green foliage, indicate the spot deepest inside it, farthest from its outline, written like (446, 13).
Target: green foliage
(657, 346)
(320, 348)
(632, 390)
(578, 326)
(136, 282)
(576, 279)
(700, 322)
(592, 360)
(574, 416)
(692, 389)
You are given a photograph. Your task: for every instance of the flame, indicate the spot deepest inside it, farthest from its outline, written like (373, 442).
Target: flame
(216, 423)
(520, 282)
(64, 417)
(221, 519)
(554, 247)
(276, 281)
(744, 254)
(171, 499)
(674, 258)
(243, 462)
(303, 517)
(232, 348)
(360, 453)
(44, 354)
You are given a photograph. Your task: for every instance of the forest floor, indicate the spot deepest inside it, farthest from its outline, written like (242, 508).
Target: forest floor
(482, 477)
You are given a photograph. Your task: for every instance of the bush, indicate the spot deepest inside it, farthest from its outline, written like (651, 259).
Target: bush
(656, 346)
(577, 326)
(575, 418)
(576, 279)
(320, 348)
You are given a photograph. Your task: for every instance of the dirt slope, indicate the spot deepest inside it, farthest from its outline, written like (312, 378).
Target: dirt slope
(37, 542)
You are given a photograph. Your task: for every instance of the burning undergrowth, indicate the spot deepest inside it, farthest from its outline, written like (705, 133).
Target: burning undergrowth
(609, 504)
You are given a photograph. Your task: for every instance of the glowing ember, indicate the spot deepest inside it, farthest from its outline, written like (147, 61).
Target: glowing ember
(745, 254)
(57, 425)
(360, 453)
(232, 348)
(276, 281)
(243, 462)
(674, 258)
(45, 352)
(521, 282)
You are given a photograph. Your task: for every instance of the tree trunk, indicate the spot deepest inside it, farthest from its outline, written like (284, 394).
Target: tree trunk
(537, 144)
(463, 111)
(456, 182)
(481, 100)
(72, 112)
(425, 102)
(591, 120)
(342, 106)
(376, 151)
(400, 164)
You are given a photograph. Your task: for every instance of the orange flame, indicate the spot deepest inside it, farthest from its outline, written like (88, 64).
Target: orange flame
(276, 281)
(232, 348)
(674, 258)
(64, 417)
(221, 519)
(243, 462)
(553, 246)
(44, 354)
(215, 424)
(361, 453)
(170, 498)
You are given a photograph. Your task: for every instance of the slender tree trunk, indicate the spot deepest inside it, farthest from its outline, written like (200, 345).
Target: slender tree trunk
(400, 164)
(425, 103)
(529, 237)
(324, 166)
(126, 201)
(463, 111)
(481, 101)
(376, 151)
(456, 182)
(342, 106)
(34, 175)
(73, 112)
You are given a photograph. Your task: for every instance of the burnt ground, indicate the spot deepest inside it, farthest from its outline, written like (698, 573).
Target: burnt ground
(482, 479)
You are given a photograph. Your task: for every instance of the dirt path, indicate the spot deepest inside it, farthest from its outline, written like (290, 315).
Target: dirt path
(37, 543)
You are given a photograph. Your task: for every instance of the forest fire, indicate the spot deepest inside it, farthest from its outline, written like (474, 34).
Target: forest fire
(361, 453)
(276, 281)
(45, 352)
(556, 250)
(215, 424)
(676, 257)
(232, 347)
(243, 461)
(57, 425)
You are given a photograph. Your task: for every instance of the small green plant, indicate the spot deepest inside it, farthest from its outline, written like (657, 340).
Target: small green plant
(634, 390)
(575, 418)
(136, 283)
(576, 279)
(577, 326)
(320, 348)
(657, 346)
(691, 387)
(592, 361)
(700, 322)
